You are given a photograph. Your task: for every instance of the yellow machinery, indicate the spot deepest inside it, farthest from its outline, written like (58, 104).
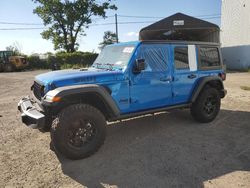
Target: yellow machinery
(9, 62)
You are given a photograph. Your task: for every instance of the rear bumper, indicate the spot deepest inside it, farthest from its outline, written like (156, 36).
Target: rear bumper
(31, 115)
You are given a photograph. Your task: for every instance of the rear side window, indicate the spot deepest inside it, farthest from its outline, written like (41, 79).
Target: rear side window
(181, 58)
(209, 57)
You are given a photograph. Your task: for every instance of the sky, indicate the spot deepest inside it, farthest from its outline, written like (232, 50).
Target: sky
(30, 41)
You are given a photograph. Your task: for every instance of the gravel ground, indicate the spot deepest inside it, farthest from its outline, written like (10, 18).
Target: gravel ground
(166, 150)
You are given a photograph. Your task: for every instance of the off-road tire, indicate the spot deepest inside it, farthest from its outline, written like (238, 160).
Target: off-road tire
(70, 120)
(201, 110)
(9, 67)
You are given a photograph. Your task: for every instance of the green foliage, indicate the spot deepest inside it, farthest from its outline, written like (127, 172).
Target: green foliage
(67, 19)
(63, 59)
(108, 38)
(36, 63)
(80, 58)
(15, 48)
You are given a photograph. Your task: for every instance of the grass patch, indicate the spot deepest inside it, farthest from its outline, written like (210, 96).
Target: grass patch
(246, 88)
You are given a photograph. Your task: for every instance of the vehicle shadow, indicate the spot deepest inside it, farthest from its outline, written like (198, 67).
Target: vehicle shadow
(166, 150)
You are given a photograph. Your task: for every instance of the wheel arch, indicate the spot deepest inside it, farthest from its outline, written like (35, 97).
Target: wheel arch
(212, 81)
(95, 95)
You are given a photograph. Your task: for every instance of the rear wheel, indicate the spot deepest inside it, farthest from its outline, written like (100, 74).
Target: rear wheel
(78, 131)
(207, 105)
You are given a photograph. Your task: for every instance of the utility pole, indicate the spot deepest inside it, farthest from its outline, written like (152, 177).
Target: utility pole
(116, 28)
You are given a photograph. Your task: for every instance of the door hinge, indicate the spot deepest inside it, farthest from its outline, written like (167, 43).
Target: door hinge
(129, 83)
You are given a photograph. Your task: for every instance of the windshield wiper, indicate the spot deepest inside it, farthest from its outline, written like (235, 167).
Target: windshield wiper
(97, 65)
(110, 66)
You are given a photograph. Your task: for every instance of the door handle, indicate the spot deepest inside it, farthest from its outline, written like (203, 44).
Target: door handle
(192, 76)
(166, 79)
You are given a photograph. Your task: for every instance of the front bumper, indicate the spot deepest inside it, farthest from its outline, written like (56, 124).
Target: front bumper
(31, 115)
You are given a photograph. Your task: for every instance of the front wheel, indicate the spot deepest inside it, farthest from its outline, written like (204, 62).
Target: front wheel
(207, 105)
(78, 131)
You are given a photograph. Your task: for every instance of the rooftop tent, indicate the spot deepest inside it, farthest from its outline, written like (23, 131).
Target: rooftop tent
(181, 27)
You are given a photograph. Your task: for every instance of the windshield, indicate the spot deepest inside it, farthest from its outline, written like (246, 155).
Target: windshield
(114, 57)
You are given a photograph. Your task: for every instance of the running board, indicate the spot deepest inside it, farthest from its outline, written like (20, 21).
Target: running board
(135, 114)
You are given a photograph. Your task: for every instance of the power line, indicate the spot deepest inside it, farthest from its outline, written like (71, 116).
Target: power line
(205, 17)
(19, 23)
(21, 28)
(160, 17)
(111, 23)
(208, 16)
(25, 23)
(216, 17)
(127, 16)
(101, 24)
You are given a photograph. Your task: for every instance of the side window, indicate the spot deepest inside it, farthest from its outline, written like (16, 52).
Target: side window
(156, 57)
(181, 58)
(209, 57)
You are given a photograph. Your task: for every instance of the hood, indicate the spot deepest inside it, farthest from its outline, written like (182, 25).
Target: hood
(62, 78)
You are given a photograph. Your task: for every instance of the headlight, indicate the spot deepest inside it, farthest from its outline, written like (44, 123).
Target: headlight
(51, 97)
(48, 98)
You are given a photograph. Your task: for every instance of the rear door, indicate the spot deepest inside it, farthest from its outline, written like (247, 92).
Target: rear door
(184, 60)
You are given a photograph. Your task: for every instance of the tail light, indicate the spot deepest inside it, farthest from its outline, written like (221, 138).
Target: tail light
(222, 76)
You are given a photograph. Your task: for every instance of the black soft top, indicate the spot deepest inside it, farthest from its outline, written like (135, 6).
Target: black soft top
(181, 27)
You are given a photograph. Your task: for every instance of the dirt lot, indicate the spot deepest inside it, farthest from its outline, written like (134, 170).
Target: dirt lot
(167, 150)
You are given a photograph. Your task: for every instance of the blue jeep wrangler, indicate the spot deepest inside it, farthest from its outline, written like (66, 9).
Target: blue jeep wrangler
(126, 80)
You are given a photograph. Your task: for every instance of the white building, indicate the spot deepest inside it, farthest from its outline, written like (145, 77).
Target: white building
(235, 33)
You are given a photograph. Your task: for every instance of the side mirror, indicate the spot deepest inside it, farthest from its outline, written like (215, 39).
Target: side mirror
(139, 66)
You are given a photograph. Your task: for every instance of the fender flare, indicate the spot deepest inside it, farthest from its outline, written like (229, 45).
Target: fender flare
(101, 91)
(201, 83)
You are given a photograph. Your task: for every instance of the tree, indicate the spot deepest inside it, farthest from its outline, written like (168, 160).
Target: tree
(15, 48)
(108, 38)
(66, 19)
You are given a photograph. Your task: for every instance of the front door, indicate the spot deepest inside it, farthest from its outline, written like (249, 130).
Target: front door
(185, 72)
(152, 87)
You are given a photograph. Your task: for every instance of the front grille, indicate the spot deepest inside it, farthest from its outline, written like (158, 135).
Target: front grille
(38, 90)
